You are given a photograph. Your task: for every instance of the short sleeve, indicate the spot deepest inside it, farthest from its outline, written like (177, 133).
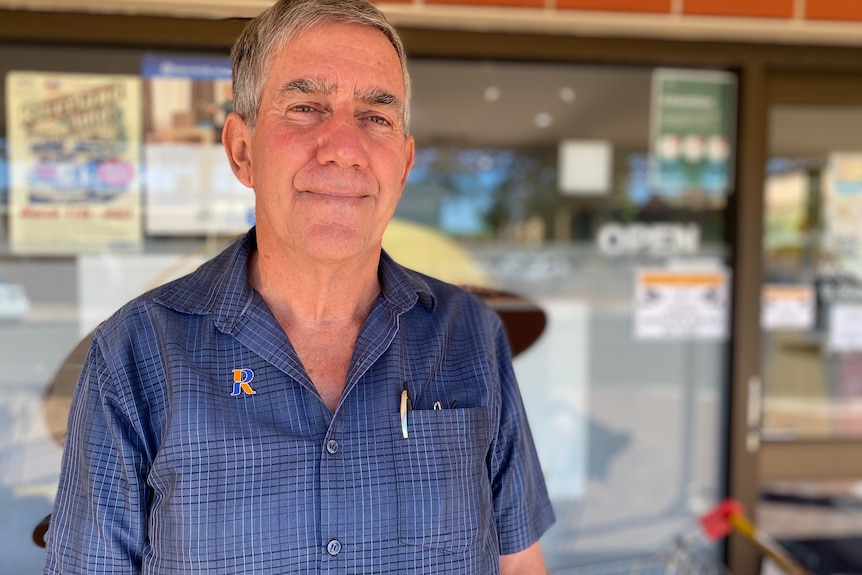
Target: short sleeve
(522, 508)
(99, 519)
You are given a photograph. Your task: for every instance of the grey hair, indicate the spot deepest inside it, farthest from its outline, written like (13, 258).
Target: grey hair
(273, 29)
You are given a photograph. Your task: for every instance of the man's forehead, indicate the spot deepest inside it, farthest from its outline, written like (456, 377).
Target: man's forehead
(324, 70)
(332, 32)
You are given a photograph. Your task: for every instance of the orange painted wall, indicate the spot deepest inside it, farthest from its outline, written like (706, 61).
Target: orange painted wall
(756, 8)
(508, 3)
(833, 9)
(661, 6)
(847, 10)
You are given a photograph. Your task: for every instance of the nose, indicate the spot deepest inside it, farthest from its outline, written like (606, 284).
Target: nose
(341, 143)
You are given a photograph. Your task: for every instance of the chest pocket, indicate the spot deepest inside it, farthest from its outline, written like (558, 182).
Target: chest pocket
(444, 493)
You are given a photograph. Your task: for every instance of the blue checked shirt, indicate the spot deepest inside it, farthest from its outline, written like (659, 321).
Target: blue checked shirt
(198, 444)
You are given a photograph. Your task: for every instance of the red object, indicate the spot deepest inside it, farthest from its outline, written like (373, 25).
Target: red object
(716, 522)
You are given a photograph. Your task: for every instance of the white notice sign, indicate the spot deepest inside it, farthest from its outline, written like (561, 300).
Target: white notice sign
(845, 327)
(679, 305)
(787, 307)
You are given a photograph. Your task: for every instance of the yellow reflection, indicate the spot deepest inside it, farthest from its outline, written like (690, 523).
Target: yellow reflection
(427, 250)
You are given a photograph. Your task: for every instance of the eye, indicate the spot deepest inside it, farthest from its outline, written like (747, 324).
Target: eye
(302, 108)
(380, 120)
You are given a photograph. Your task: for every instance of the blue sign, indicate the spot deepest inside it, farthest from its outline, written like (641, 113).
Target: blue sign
(194, 68)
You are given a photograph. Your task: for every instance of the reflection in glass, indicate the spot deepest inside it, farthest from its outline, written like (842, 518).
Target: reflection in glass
(812, 298)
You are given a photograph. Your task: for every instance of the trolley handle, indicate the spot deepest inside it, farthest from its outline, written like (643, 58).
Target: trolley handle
(729, 515)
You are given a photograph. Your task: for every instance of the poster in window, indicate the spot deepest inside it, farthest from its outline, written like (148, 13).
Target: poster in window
(74, 147)
(692, 134)
(190, 188)
(842, 210)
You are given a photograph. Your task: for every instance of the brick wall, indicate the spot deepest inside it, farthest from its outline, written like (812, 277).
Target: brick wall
(812, 10)
(806, 22)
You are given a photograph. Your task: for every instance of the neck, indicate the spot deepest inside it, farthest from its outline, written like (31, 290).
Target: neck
(321, 296)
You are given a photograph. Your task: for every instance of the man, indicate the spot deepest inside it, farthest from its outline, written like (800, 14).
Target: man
(302, 404)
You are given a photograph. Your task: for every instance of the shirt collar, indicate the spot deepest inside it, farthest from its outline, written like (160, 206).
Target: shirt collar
(220, 286)
(403, 287)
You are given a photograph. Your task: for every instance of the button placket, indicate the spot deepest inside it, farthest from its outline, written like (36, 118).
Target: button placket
(331, 447)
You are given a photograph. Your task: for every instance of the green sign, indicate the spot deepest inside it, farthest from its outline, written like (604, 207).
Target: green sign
(692, 133)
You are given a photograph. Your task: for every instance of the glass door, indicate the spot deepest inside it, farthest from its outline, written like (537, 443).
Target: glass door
(811, 319)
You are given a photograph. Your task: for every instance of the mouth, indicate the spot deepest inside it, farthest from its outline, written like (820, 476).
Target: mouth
(332, 195)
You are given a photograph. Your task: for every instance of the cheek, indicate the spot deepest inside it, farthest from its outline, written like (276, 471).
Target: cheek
(395, 166)
(277, 160)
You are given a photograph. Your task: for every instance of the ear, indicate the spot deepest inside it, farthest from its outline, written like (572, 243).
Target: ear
(409, 158)
(236, 139)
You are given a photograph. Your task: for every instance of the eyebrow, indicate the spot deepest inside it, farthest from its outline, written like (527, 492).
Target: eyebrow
(307, 86)
(371, 97)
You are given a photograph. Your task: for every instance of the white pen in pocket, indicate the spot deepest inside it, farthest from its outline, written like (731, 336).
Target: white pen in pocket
(405, 407)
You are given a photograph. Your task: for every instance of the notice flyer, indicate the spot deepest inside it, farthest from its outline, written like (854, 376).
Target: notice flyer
(681, 305)
(845, 328)
(190, 188)
(74, 148)
(787, 307)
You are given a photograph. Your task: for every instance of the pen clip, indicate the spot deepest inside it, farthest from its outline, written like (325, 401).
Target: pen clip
(406, 406)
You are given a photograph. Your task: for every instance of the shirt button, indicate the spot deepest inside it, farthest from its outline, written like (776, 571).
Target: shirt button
(333, 547)
(332, 446)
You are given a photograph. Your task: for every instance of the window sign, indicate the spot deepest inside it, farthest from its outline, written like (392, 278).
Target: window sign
(4, 174)
(73, 156)
(787, 307)
(691, 125)
(190, 187)
(845, 327)
(585, 167)
(786, 210)
(842, 209)
(681, 305)
(659, 239)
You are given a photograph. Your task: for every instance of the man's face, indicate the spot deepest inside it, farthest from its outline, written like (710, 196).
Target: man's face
(328, 157)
